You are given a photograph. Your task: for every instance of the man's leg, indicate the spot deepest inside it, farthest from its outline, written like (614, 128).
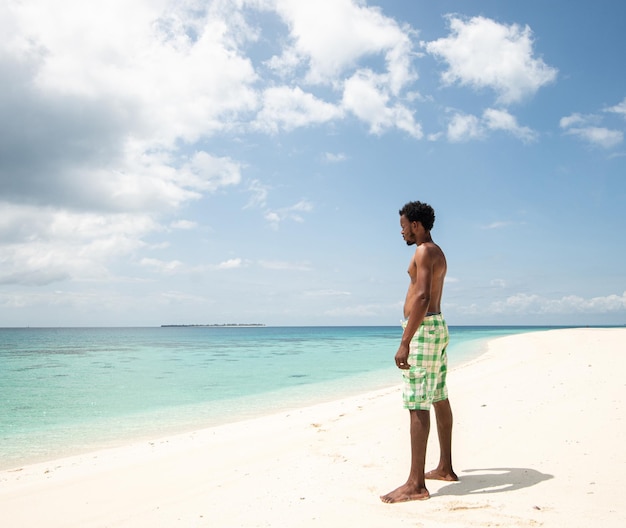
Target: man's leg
(415, 487)
(443, 415)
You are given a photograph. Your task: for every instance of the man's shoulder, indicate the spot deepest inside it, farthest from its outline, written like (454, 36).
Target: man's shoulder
(429, 248)
(429, 252)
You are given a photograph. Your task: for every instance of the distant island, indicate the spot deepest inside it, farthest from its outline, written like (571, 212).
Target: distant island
(208, 325)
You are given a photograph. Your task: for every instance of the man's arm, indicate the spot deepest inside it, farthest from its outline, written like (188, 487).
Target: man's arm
(419, 307)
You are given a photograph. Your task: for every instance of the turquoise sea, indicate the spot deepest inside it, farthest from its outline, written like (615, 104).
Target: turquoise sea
(70, 390)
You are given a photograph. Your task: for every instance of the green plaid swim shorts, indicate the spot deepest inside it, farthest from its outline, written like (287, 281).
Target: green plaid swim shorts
(425, 381)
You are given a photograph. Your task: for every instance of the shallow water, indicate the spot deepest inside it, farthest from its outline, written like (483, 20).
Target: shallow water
(68, 390)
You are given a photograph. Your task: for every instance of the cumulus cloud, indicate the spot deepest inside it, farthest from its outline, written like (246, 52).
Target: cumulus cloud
(499, 224)
(205, 172)
(233, 263)
(483, 53)
(293, 212)
(258, 194)
(111, 113)
(464, 127)
(102, 100)
(161, 266)
(365, 96)
(96, 102)
(331, 157)
(525, 303)
(575, 120)
(41, 245)
(275, 216)
(285, 108)
(184, 224)
(110, 102)
(600, 136)
(351, 32)
(497, 119)
(586, 127)
(619, 108)
(106, 110)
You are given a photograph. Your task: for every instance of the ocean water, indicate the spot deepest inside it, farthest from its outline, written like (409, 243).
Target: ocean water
(70, 390)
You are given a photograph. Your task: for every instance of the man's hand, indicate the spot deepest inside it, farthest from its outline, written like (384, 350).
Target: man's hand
(402, 357)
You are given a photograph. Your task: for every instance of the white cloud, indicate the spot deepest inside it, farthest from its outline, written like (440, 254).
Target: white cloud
(161, 266)
(154, 62)
(111, 112)
(329, 42)
(352, 32)
(525, 303)
(234, 263)
(292, 212)
(497, 225)
(619, 108)
(41, 245)
(464, 127)
(435, 136)
(273, 218)
(482, 53)
(330, 157)
(286, 108)
(588, 127)
(602, 137)
(207, 173)
(258, 194)
(582, 126)
(184, 224)
(115, 93)
(107, 94)
(575, 120)
(366, 97)
(502, 120)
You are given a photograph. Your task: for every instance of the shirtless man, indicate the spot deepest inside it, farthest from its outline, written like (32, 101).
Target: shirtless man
(422, 354)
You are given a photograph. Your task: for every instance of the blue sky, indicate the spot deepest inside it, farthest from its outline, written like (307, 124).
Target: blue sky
(201, 162)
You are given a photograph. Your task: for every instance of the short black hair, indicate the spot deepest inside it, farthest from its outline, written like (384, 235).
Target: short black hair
(419, 212)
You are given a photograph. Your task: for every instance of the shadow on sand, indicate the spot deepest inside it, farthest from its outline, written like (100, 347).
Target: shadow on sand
(493, 480)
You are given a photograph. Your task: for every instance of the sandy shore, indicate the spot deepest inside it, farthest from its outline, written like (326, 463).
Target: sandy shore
(538, 441)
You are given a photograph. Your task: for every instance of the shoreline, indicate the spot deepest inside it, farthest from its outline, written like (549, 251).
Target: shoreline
(538, 440)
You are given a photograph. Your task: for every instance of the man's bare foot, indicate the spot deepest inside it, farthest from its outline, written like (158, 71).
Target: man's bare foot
(437, 474)
(405, 493)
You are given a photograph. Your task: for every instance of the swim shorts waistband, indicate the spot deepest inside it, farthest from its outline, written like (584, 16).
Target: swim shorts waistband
(404, 322)
(428, 314)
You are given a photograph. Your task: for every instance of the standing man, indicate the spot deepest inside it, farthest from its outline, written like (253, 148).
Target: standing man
(422, 354)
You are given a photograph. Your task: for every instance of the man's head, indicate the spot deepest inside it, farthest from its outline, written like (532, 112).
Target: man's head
(414, 213)
(419, 212)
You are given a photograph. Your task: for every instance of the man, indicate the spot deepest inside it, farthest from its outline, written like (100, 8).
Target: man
(422, 354)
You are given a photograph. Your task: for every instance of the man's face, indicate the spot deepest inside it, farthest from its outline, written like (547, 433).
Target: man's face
(407, 231)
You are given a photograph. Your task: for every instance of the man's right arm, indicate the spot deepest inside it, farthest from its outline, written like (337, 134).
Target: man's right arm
(419, 304)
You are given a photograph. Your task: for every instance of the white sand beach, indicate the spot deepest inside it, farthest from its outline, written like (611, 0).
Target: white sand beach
(538, 441)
